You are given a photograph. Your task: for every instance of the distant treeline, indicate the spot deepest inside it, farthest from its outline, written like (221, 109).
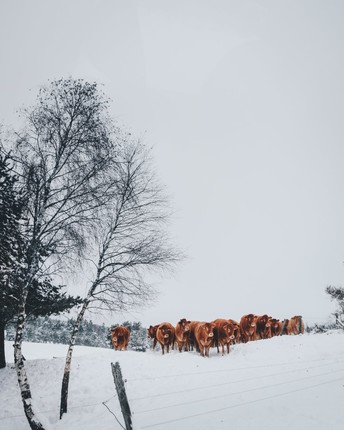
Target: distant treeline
(52, 330)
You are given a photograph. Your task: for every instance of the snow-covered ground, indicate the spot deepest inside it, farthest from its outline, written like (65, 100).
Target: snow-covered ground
(289, 382)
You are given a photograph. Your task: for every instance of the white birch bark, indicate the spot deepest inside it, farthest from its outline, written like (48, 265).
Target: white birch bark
(21, 371)
(67, 368)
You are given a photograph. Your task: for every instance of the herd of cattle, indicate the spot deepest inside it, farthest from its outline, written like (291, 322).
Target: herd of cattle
(219, 333)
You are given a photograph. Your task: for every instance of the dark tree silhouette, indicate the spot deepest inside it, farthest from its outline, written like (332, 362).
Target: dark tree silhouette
(11, 207)
(44, 298)
(65, 159)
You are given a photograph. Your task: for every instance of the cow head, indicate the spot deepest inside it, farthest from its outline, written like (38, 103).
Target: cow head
(231, 331)
(236, 329)
(185, 324)
(166, 331)
(228, 328)
(209, 329)
(151, 331)
(276, 326)
(252, 322)
(265, 321)
(114, 336)
(114, 333)
(251, 319)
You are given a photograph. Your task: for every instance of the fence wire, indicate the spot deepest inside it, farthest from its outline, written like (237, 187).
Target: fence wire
(211, 411)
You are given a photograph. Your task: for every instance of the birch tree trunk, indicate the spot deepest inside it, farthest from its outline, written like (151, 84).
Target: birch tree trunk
(2, 345)
(21, 371)
(67, 368)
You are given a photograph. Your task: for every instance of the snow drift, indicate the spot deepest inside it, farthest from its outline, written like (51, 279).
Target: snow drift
(284, 382)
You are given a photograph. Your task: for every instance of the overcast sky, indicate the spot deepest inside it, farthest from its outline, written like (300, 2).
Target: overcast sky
(243, 104)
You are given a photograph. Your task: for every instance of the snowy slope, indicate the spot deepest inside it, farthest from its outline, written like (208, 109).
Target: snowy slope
(282, 383)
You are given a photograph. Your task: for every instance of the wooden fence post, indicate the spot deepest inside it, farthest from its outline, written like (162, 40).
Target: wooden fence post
(122, 396)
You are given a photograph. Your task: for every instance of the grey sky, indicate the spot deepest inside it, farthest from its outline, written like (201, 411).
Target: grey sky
(243, 104)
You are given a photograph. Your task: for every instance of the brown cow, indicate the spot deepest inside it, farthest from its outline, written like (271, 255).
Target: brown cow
(120, 337)
(223, 334)
(151, 333)
(263, 328)
(276, 327)
(248, 327)
(192, 339)
(165, 335)
(296, 325)
(182, 334)
(204, 336)
(237, 332)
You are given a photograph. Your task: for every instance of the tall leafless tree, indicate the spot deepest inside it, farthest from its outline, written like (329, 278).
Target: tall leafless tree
(67, 161)
(131, 242)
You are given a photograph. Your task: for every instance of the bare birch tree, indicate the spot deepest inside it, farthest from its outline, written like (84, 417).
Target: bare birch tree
(131, 242)
(66, 158)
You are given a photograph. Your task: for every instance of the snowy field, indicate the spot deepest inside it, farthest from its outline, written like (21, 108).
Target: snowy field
(289, 382)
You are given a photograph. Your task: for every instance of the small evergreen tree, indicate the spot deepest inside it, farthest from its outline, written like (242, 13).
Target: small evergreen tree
(44, 298)
(10, 216)
(337, 293)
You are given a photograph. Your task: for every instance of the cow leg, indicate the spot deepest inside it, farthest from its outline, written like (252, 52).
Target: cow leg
(163, 348)
(168, 348)
(154, 343)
